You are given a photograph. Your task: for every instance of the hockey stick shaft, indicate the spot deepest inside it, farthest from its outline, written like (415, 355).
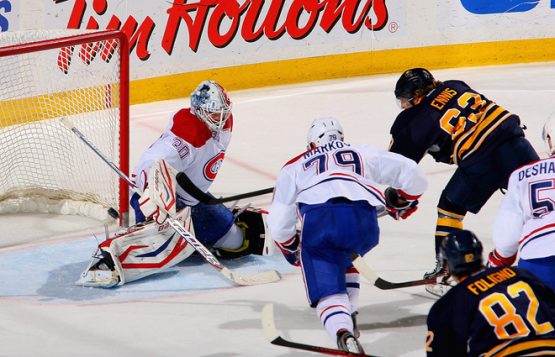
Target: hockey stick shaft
(360, 264)
(259, 278)
(185, 182)
(69, 124)
(274, 337)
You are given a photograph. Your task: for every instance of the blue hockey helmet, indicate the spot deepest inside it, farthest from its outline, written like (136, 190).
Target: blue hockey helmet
(414, 82)
(462, 252)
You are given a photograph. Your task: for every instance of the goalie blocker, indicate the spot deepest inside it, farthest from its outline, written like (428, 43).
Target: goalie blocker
(148, 248)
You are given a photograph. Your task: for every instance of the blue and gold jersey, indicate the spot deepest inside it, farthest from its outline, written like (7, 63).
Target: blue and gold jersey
(453, 123)
(489, 310)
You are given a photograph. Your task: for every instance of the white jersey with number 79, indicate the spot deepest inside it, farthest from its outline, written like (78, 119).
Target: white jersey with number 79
(338, 169)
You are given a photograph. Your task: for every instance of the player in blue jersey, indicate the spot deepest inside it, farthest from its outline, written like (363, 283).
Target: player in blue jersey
(457, 125)
(503, 311)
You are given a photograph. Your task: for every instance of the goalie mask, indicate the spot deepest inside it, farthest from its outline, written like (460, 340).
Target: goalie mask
(210, 103)
(323, 131)
(548, 134)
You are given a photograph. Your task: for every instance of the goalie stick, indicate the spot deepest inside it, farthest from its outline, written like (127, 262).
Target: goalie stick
(360, 264)
(274, 337)
(252, 279)
(185, 182)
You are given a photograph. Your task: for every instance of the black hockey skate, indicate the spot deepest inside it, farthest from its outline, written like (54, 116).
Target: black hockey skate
(348, 343)
(100, 273)
(443, 281)
(438, 271)
(105, 262)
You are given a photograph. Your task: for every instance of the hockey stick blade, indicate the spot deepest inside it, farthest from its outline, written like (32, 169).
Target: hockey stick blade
(264, 277)
(387, 285)
(274, 337)
(185, 182)
(370, 275)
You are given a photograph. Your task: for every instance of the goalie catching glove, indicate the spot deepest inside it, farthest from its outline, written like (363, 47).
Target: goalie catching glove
(158, 199)
(398, 204)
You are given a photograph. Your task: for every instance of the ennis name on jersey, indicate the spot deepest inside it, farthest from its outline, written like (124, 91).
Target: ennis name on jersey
(454, 124)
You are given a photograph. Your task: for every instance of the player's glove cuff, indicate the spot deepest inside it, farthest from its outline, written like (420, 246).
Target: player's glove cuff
(399, 205)
(291, 249)
(496, 260)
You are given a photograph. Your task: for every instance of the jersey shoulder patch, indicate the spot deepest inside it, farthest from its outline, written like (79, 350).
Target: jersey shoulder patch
(296, 158)
(190, 128)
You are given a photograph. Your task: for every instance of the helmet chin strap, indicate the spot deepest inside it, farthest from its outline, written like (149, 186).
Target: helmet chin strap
(417, 100)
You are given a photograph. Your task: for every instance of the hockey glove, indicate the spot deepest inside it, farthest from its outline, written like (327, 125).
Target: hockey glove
(158, 200)
(291, 250)
(496, 260)
(398, 205)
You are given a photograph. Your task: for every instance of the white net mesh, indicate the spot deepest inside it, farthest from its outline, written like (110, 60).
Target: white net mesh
(40, 159)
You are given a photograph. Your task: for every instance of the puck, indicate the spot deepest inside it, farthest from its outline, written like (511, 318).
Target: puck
(113, 213)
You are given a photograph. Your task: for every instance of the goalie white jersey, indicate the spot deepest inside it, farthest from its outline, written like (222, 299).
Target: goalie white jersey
(526, 219)
(338, 169)
(188, 146)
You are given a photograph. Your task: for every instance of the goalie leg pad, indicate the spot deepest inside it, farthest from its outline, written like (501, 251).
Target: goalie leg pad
(137, 252)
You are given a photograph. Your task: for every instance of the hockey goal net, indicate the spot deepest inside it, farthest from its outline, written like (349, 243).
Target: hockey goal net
(48, 75)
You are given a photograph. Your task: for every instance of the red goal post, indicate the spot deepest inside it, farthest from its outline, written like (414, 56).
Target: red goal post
(51, 74)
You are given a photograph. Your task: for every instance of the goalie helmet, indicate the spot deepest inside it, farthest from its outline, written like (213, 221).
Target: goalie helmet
(323, 131)
(413, 83)
(210, 103)
(548, 134)
(462, 252)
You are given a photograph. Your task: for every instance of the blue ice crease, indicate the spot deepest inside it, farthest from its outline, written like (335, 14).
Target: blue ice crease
(48, 274)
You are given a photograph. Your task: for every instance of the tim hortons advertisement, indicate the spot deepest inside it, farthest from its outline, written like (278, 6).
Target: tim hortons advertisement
(187, 35)
(180, 36)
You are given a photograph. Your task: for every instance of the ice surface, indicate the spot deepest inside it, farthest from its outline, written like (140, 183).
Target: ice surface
(191, 310)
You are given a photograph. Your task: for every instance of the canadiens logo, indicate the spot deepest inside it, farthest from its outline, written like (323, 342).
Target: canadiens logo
(213, 165)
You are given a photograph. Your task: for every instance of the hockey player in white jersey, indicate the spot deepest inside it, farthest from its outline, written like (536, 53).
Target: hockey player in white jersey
(525, 223)
(194, 142)
(332, 189)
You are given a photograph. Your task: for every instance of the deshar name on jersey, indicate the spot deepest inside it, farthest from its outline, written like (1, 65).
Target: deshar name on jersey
(540, 168)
